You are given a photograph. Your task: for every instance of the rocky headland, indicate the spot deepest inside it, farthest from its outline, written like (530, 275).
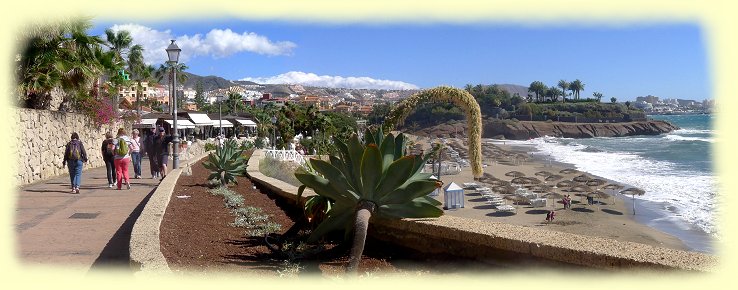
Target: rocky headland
(523, 130)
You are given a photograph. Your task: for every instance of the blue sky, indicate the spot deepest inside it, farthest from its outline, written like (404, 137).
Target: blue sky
(668, 60)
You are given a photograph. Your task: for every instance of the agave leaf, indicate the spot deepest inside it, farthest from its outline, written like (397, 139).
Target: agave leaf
(399, 146)
(427, 199)
(338, 217)
(395, 176)
(337, 181)
(322, 187)
(388, 151)
(371, 170)
(369, 137)
(300, 190)
(356, 150)
(408, 192)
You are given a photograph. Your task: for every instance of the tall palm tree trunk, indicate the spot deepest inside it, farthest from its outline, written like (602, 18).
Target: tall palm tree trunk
(363, 214)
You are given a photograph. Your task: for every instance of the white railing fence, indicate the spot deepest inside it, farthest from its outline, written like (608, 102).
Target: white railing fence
(286, 155)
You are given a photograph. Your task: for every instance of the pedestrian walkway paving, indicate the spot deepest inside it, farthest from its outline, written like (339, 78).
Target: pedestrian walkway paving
(89, 230)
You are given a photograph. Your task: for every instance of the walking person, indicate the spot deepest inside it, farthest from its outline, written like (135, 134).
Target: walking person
(108, 153)
(136, 154)
(74, 156)
(151, 150)
(161, 143)
(122, 158)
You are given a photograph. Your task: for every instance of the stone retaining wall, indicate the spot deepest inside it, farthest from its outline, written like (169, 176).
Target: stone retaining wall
(40, 139)
(488, 241)
(42, 134)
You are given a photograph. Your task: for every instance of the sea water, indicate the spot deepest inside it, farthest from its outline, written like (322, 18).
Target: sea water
(675, 170)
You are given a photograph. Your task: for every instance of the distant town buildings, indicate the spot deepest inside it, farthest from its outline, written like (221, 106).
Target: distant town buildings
(652, 104)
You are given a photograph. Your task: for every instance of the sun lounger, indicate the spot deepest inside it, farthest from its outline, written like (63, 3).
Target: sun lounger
(506, 208)
(470, 185)
(538, 202)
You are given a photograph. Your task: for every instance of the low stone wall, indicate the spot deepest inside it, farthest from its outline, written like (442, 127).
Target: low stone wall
(41, 136)
(488, 241)
(145, 254)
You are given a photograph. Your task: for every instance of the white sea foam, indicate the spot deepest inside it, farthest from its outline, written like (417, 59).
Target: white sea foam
(690, 194)
(683, 138)
(692, 131)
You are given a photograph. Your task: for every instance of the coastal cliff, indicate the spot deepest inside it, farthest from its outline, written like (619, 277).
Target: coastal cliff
(523, 130)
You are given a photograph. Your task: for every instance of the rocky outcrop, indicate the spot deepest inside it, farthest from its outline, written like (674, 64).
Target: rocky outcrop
(525, 129)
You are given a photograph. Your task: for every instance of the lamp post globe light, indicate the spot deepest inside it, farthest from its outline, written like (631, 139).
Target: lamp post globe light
(274, 142)
(173, 54)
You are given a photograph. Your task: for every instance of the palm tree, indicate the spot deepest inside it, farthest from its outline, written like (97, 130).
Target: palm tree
(164, 73)
(564, 85)
(553, 93)
(576, 86)
(120, 44)
(597, 96)
(370, 179)
(538, 88)
(59, 55)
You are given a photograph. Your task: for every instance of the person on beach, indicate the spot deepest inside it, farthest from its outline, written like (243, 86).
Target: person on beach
(122, 157)
(550, 216)
(136, 154)
(74, 156)
(108, 153)
(150, 150)
(161, 143)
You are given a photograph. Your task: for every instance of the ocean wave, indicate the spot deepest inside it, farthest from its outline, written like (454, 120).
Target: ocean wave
(683, 138)
(692, 131)
(690, 193)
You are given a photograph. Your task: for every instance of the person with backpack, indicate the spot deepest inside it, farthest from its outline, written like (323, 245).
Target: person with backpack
(161, 143)
(74, 156)
(108, 153)
(136, 154)
(122, 158)
(150, 150)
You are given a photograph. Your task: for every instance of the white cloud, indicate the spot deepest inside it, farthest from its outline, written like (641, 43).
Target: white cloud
(311, 79)
(217, 43)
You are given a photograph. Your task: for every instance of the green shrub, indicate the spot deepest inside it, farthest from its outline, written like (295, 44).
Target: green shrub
(259, 143)
(226, 163)
(209, 146)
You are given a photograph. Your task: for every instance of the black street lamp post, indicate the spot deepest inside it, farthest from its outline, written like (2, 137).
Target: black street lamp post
(173, 54)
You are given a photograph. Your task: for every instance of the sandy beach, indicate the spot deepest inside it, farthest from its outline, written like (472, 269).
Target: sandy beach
(612, 218)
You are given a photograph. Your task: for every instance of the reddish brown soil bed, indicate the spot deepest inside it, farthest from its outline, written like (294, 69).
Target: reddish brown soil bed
(196, 235)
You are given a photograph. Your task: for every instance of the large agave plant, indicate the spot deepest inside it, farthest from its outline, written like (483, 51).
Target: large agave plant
(370, 179)
(226, 163)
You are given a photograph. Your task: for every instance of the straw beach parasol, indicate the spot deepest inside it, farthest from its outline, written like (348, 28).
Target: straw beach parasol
(595, 182)
(515, 174)
(569, 171)
(633, 191)
(598, 194)
(521, 180)
(504, 189)
(543, 173)
(581, 178)
(565, 183)
(553, 177)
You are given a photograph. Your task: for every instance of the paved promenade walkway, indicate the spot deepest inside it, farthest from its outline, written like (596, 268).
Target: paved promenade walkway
(86, 231)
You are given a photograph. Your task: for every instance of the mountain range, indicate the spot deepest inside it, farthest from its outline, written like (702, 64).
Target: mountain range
(280, 90)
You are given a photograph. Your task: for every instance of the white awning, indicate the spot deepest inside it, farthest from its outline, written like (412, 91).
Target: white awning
(181, 124)
(146, 124)
(226, 124)
(200, 119)
(247, 123)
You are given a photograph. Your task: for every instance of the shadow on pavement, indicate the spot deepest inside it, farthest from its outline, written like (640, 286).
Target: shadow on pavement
(115, 255)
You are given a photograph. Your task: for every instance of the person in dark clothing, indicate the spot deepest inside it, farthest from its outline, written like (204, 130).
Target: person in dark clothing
(108, 148)
(161, 144)
(74, 156)
(151, 152)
